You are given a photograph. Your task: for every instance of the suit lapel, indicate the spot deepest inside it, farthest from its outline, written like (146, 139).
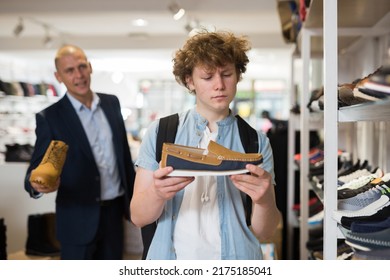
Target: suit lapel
(110, 111)
(75, 127)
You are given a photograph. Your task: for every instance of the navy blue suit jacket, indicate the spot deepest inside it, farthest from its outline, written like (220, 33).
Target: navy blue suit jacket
(77, 200)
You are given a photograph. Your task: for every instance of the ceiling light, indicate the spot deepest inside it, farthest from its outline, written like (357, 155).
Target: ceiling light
(47, 40)
(19, 27)
(140, 22)
(192, 26)
(117, 77)
(177, 12)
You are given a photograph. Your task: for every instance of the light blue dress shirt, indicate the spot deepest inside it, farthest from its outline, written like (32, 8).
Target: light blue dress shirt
(99, 135)
(237, 241)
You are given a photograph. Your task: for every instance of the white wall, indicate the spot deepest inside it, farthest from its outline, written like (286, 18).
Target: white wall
(16, 204)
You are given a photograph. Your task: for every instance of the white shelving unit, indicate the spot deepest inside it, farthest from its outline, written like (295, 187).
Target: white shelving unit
(17, 118)
(333, 27)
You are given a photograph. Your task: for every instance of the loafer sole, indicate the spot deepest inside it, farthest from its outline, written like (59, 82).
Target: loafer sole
(189, 173)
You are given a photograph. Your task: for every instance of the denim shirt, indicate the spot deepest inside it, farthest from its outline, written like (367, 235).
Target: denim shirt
(237, 241)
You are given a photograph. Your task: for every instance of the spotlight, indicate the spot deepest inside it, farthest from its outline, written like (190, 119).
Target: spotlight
(177, 12)
(47, 40)
(19, 27)
(192, 26)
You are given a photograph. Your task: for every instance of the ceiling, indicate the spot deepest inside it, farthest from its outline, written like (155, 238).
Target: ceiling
(104, 29)
(102, 24)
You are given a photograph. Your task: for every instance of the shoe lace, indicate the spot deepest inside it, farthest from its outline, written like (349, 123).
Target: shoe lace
(56, 156)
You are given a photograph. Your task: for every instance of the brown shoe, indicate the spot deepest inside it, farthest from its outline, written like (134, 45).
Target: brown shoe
(51, 165)
(215, 160)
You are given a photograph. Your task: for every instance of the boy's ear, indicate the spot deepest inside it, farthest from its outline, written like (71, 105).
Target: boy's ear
(190, 83)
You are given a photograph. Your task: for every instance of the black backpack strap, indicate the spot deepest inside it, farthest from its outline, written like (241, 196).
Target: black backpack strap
(250, 142)
(166, 133)
(248, 136)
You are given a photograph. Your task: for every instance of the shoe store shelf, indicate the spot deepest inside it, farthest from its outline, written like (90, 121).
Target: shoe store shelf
(332, 29)
(371, 111)
(315, 124)
(355, 21)
(17, 118)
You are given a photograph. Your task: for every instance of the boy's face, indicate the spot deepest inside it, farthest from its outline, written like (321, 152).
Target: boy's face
(215, 89)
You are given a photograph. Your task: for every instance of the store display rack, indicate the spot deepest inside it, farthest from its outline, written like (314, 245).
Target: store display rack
(339, 26)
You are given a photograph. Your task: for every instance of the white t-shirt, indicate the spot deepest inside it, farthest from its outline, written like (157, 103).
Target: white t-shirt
(197, 232)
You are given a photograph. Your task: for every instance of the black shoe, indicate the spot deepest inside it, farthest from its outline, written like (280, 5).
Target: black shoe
(368, 241)
(40, 236)
(3, 240)
(18, 153)
(381, 215)
(364, 227)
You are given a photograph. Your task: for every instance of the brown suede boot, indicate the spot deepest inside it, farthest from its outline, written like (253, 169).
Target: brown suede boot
(51, 165)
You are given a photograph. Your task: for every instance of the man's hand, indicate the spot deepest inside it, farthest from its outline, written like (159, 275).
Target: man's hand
(45, 189)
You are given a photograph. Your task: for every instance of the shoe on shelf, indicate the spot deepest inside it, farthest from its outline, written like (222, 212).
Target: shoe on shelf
(358, 178)
(379, 82)
(374, 93)
(41, 235)
(370, 226)
(316, 220)
(345, 193)
(380, 215)
(363, 199)
(347, 97)
(379, 254)
(357, 93)
(369, 241)
(215, 160)
(344, 252)
(315, 95)
(18, 152)
(50, 168)
(368, 210)
(345, 170)
(315, 206)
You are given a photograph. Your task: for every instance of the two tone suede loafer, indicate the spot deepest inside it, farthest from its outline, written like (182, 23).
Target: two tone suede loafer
(215, 160)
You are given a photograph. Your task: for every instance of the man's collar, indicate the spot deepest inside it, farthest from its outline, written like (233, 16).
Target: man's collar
(80, 106)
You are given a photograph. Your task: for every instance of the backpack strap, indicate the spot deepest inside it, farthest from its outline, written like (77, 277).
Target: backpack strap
(166, 132)
(248, 136)
(250, 142)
